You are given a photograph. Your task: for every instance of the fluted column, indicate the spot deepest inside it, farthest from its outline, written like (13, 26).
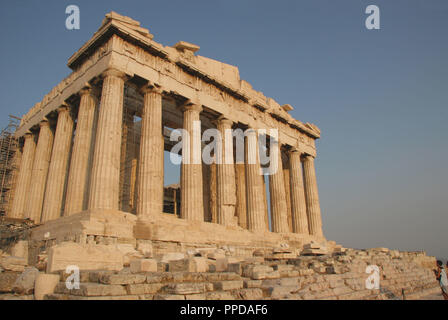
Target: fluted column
(288, 195)
(277, 191)
(241, 203)
(41, 163)
(226, 174)
(206, 192)
(298, 204)
(57, 171)
(312, 197)
(150, 171)
(266, 203)
(254, 185)
(24, 177)
(105, 179)
(127, 155)
(192, 207)
(82, 154)
(213, 192)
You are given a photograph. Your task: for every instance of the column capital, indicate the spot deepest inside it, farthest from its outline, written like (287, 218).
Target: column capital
(87, 89)
(63, 107)
(191, 106)
(295, 150)
(250, 132)
(112, 72)
(151, 87)
(222, 120)
(28, 135)
(44, 123)
(307, 157)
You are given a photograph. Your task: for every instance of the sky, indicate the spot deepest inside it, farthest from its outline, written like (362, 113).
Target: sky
(378, 96)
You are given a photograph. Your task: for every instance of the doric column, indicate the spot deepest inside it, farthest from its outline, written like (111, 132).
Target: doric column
(312, 197)
(192, 207)
(254, 185)
(57, 171)
(127, 155)
(266, 203)
(24, 177)
(82, 153)
(277, 191)
(287, 194)
(298, 204)
(213, 192)
(226, 174)
(105, 176)
(241, 203)
(206, 192)
(41, 163)
(150, 171)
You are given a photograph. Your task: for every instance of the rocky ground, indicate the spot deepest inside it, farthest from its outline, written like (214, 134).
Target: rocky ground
(218, 273)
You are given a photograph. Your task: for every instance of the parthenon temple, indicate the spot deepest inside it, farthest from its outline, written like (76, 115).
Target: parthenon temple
(93, 150)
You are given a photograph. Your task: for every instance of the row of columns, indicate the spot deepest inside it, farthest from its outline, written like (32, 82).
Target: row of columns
(93, 165)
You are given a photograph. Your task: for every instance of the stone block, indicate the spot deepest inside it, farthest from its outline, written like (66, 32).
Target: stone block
(121, 278)
(252, 283)
(221, 264)
(312, 245)
(93, 289)
(314, 252)
(86, 257)
(258, 253)
(128, 252)
(221, 276)
(143, 288)
(25, 282)
(219, 295)
(45, 284)
(259, 275)
(249, 294)
(249, 271)
(169, 297)
(143, 265)
(216, 255)
(7, 280)
(341, 290)
(20, 249)
(198, 264)
(205, 251)
(179, 265)
(195, 296)
(282, 249)
(235, 267)
(172, 256)
(283, 267)
(185, 288)
(228, 285)
(12, 263)
(284, 255)
(279, 292)
(145, 248)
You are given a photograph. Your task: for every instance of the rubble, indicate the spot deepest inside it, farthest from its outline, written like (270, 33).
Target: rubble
(315, 271)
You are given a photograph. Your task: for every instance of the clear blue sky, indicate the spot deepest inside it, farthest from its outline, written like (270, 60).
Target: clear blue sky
(379, 96)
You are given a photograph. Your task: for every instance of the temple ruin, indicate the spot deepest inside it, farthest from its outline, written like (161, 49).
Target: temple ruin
(88, 193)
(92, 151)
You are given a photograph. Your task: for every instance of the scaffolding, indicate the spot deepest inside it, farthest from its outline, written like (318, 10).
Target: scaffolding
(8, 163)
